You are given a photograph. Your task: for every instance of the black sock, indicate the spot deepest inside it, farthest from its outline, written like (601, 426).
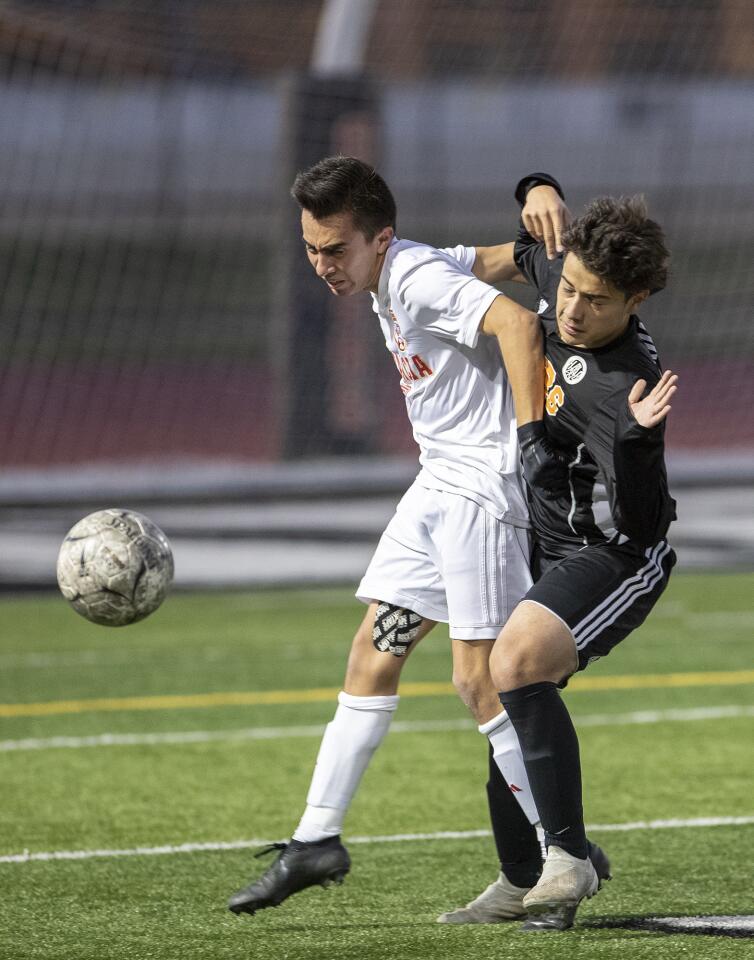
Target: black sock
(551, 754)
(515, 838)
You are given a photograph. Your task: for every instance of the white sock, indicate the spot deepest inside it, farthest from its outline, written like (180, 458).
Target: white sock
(356, 730)
(507, 753)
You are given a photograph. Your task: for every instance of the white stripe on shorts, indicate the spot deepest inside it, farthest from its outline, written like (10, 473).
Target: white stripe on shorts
(489, 565)
(607, 612)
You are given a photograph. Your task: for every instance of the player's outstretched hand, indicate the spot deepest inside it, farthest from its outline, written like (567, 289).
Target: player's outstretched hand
(546, 216)
(652, 409)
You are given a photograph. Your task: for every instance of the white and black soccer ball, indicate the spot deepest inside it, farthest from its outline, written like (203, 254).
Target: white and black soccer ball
(115, 567)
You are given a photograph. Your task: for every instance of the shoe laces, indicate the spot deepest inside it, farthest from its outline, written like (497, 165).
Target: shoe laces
(270, 848)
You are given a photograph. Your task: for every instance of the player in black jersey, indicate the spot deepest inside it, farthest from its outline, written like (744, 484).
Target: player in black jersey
(601, 557)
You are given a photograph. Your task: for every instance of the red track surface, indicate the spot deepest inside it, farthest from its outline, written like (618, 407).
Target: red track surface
(75, 414)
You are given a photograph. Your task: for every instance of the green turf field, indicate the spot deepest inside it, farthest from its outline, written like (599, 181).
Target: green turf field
(251, 678)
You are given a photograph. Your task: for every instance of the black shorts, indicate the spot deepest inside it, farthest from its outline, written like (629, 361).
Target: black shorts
(602, 592)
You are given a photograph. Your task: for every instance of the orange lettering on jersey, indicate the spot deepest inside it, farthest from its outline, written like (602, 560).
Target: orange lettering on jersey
(554, 396)
(549, 374)
(555, 400)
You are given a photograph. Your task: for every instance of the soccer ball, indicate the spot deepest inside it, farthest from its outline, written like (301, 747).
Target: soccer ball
(115, 567)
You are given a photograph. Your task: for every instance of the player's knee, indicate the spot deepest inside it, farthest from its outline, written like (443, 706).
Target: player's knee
(467, 685)
(369, 674)
(372, 671)
(475, 689)
(521, 659)
(514, 663)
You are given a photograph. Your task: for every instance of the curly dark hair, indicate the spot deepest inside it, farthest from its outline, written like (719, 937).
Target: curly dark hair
(615, 239)
(345, 184)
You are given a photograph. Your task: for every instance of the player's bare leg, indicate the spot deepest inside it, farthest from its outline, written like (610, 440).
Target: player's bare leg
(534, 646)
(366, 705)
(472, 680)
(534, 652)
(371, 672)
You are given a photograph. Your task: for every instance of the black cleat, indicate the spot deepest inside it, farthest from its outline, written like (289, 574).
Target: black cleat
(299, 865)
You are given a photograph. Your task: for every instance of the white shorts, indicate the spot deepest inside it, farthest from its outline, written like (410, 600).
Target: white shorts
(447, 559)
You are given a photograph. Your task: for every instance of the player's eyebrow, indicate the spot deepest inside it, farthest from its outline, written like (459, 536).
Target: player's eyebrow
(329, 248)
(589, 296)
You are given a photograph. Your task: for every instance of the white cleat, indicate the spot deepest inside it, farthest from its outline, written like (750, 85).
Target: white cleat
(501, 901)
(565, 882)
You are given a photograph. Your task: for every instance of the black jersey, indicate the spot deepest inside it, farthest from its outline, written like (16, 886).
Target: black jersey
(618, 483)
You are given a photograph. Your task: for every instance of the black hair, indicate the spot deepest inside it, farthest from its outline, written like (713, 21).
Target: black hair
(346, 185)
(616, 240)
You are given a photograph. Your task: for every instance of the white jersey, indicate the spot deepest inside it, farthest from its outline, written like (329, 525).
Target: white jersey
(430, 306)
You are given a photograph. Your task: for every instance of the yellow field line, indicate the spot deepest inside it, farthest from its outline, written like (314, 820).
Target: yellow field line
(247, 698)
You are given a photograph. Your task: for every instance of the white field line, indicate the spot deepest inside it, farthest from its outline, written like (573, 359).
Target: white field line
(704, 924)
(207, 736)
(28, 857)
(399, 726)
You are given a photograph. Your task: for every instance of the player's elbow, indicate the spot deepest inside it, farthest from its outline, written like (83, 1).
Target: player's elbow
(505, 316)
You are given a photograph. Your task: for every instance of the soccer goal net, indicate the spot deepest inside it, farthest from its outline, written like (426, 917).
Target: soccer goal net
(156, 305)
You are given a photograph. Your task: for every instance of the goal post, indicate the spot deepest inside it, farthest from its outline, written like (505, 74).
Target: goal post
(324, 396)
(325, 380)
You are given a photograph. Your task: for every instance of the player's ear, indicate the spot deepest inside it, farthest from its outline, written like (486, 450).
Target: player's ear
(638, 298)
(383, 239)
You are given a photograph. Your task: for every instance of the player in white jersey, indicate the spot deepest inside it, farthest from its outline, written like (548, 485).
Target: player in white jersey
(456, 550)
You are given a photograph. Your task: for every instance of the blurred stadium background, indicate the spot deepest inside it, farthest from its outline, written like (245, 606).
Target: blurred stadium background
(162, 345)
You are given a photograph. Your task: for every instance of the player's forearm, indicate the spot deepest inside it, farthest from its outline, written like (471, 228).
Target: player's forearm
(496, 264)
(643, 506)
(519, 336)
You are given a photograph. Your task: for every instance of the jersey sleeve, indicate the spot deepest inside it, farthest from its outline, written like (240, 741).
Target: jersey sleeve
(530, 256)
(644, 507)
(466, 256)
(631, 460)
(444, 299)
